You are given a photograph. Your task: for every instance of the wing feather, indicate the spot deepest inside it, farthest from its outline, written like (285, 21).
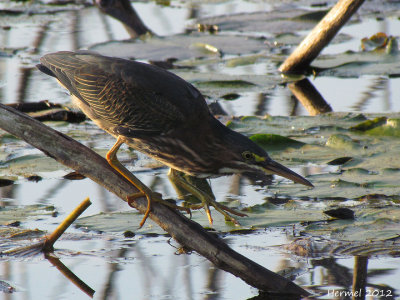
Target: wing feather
(130, 96)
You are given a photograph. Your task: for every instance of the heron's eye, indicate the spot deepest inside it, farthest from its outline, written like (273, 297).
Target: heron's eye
(247, 155)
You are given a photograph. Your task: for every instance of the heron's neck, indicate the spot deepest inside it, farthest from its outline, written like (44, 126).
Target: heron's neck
(226, 135)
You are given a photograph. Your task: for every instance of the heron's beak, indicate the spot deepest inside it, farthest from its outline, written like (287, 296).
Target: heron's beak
(271, 166)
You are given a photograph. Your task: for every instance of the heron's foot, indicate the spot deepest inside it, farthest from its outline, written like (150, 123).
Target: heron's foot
(198, 190)
(156, 197)
(222, 209)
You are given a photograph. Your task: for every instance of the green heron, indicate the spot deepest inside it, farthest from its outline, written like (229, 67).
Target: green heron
(161, 115)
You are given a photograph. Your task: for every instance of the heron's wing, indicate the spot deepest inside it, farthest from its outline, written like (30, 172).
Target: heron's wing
(132, 96)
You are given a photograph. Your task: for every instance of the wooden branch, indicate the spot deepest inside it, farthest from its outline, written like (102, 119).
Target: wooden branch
(34, 106)
(188, 233)
(320, 36)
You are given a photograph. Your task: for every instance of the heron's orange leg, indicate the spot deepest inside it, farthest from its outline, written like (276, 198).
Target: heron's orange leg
(112, 159)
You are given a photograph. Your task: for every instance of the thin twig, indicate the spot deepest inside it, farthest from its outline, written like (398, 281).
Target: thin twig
(52, 238)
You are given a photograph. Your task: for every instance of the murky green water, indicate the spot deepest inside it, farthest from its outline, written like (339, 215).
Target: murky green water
(285, 216)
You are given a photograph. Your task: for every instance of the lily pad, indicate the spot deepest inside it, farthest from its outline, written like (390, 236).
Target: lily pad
(369, 124)
(272, 22)
(118, 222)
(390, 128)
(380, 42)
(121, 222)
(243, 60)
(215, 85)
(12, 214)
(356, 64)
(19, 234)
(371, 224)
(275, 141)
(181, 47)
(225, 84)
(27, 165)
(317, 247)
(342, 142)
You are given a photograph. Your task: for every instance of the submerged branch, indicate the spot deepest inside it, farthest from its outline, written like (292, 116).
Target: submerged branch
(188, 233)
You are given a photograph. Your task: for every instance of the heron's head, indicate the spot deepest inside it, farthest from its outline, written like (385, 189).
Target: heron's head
(244, 156)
